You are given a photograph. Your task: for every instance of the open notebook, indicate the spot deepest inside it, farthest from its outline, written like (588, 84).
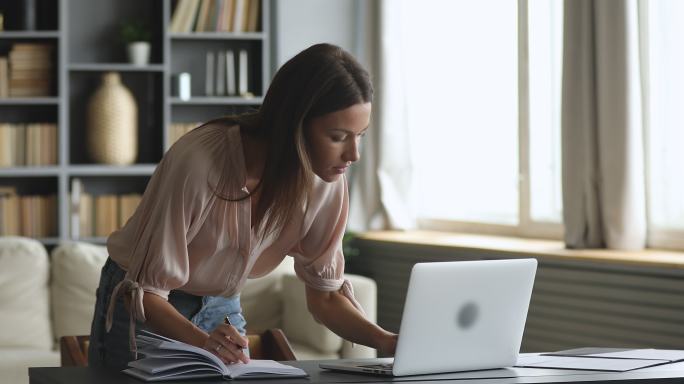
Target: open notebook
(168, 359)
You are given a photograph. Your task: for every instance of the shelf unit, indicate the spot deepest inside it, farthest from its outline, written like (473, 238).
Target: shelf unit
(84, 33)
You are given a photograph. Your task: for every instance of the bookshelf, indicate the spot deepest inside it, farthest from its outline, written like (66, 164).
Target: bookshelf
(83, 35)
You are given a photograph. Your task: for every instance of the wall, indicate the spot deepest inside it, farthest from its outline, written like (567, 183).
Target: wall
(298, 24)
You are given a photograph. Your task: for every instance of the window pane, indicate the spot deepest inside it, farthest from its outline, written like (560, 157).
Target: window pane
(545, 36)
(666, 113)
(461, 68)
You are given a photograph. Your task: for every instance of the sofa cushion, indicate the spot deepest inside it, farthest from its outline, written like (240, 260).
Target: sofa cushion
(24, 298)
(261, 301)
(298, 324)
(75, 276)
(15, 362)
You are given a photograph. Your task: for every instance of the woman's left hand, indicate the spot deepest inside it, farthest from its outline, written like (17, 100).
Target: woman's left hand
(387, 344)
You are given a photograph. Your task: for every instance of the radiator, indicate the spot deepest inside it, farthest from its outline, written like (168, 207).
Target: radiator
(574, 303)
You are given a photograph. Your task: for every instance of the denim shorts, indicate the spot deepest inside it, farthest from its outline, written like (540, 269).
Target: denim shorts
(111, 349)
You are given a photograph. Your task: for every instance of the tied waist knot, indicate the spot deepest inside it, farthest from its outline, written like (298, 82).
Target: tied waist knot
(136, 311)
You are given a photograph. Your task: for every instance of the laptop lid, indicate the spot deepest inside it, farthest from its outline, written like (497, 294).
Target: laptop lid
(464, 315)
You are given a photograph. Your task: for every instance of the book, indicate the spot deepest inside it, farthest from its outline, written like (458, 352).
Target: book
(75, 208)
(220, 73)
(209, 80)
(203, 16)
(178, 13)
(239, 11)
(230, 73)
(253, 15)
(168, 359)
(4, 77)
(242, 73)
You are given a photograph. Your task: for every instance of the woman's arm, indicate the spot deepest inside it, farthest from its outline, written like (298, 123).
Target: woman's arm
(164, 319)
(337, 313)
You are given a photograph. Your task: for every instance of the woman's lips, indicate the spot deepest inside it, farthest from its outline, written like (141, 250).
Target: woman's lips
(340, 169)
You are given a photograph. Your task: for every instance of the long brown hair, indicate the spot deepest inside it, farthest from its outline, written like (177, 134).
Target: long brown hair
(322, 79)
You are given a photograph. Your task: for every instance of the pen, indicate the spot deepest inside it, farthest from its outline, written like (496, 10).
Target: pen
(226, 320)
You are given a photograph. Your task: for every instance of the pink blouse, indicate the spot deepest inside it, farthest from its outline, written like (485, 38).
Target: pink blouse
(183, 237)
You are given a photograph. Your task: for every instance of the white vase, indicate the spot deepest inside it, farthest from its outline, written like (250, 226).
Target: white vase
(139, 53)
(112, 133)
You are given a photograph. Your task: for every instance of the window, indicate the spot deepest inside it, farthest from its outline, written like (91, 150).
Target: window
(664, 64)
(485, 127)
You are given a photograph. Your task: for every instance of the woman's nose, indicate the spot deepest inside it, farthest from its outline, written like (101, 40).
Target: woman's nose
(352, 151)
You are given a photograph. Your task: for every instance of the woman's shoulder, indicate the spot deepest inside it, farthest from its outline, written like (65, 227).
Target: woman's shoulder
(205, 145)
(324, 193)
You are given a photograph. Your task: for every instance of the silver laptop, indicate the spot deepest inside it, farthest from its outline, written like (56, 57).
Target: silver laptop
(458, 316)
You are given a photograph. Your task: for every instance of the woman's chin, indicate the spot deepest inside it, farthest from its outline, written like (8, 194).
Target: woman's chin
(329, 177)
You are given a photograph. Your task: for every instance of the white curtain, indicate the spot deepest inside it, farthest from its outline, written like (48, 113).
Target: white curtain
(602, 137)
(381, 181)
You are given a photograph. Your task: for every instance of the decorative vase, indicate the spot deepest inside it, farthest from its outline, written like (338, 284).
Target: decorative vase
(112, 133)
(139, 53)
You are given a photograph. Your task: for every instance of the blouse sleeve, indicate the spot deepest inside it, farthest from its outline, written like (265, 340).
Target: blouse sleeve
(319, 260)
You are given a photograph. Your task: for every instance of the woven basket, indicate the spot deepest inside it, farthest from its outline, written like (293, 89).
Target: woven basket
(112, 134)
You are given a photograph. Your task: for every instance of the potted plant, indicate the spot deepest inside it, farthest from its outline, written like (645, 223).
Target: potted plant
(136, 36)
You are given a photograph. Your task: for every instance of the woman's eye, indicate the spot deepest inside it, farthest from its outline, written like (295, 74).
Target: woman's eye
(337, 139)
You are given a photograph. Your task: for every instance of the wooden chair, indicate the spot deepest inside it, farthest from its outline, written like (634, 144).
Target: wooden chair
(270, 344)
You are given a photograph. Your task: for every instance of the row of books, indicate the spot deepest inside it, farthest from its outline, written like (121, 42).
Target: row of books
(176, 130)
(32, 144)
(215, 16)
(27, 215)
(224, 77)
(99, 215)
(27, 72)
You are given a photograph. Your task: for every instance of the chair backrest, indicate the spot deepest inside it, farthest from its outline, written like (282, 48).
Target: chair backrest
(270, 344)
(74, 350)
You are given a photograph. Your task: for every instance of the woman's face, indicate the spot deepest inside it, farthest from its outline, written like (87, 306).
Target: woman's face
(333, 140)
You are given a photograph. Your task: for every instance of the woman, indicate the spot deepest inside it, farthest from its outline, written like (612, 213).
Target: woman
(229, 201)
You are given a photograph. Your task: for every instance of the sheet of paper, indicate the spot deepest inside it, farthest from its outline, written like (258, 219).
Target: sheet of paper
(656, 354)
(587, 363)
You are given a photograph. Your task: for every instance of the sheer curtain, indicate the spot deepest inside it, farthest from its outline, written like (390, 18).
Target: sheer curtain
(381, 195)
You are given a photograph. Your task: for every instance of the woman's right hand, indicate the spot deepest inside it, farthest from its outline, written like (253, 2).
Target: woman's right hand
(227, 343)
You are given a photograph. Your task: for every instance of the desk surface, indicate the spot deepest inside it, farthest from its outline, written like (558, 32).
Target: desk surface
(673, 373)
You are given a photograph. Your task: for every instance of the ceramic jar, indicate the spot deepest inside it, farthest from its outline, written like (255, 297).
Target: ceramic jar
(112, 123)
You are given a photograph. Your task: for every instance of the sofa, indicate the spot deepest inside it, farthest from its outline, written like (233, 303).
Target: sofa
(45, 297)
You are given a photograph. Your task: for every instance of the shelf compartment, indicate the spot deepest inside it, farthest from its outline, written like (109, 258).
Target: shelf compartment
(36, 69)
(190, 56)
(33, 206)
(117, 67)
(94, 31)
(45, 16)
(100, 205)
(147, 90)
